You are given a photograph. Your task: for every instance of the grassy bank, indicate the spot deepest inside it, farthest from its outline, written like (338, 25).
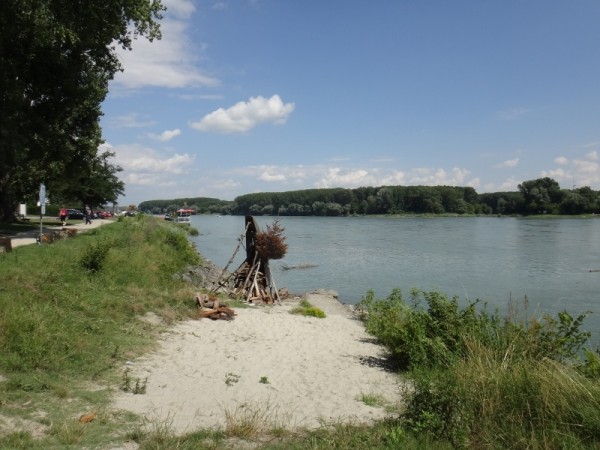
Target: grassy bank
(69, 320)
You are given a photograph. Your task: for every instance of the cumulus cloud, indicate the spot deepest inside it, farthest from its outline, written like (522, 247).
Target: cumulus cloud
(475, 183)
(182, 9)
(338, 177)
(169, 62)
(561, 160)
(166, 135)
(244, 116)
(437, 176)
(583, 171)
(511, 184)
(323, 176)
(509, 163)
(269, 176)
(142, 163)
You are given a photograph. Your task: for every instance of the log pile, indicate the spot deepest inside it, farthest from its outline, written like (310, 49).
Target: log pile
(250, 281)
(211, 307)
(51, 236)
(253, 281)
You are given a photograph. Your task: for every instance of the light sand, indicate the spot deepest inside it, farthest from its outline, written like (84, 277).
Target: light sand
(317, 370)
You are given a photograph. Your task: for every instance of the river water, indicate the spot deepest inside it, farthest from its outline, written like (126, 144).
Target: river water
(497, 260)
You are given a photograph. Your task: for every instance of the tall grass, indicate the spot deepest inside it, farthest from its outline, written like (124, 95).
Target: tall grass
(66, 306)
(69, 314)
(485, 381)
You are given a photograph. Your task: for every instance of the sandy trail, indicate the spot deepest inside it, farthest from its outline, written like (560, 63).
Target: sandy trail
(298, 371)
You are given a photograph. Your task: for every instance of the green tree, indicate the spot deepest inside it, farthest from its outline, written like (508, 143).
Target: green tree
(96, 184)
(573, 203)
(541, 195)
(56, 60)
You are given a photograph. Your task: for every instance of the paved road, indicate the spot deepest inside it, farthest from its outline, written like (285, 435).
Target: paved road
(29, 237)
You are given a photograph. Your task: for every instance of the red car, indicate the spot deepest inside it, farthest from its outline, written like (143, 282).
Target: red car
(105, 215)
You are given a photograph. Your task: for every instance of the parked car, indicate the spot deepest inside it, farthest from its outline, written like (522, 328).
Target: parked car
(75, 214)
(105, 214)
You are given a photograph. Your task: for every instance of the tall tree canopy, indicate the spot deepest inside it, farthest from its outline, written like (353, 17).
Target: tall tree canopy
(56, 59)
(542, 194)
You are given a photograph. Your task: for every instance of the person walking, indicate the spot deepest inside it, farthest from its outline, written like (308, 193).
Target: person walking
(63, 215)
(88, 215)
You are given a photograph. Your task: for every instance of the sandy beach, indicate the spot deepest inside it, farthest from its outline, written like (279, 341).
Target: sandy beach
(294, 371)
(291, 371)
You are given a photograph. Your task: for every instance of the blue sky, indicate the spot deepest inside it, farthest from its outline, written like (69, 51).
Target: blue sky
(246, 96)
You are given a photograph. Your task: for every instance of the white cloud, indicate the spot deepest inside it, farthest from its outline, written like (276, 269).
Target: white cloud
(244, 116)
(474, 183)
(512, 114)
(509, 163)
(169, 62)
(322, 176)
(561, 160)
(579, 171)
(437, 176)
(145, 179)
(267, 176)
(558, 174)
(166, 135)
(336, 177)
(131, 120)
(511, 184)
(585, 167)
(180, 8)
(142, 165)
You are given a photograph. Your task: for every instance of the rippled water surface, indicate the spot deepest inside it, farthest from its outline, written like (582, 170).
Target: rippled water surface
(492, 259)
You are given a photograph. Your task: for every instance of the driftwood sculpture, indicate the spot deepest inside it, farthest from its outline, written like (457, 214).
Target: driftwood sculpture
(253, 280)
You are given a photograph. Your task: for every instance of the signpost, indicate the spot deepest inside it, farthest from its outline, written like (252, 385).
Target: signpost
(42, 207)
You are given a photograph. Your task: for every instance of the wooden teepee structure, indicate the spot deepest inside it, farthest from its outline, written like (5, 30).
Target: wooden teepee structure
(252, 280)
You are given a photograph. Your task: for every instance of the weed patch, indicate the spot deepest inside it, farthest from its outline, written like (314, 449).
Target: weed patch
(304, 308)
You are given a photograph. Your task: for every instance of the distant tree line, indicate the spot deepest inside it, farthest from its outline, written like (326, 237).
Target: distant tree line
(200, 205)
(540, 196)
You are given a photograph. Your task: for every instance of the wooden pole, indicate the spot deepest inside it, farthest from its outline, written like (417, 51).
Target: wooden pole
(240, 240)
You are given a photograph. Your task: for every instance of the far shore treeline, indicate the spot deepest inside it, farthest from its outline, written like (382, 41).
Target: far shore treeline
(539, 196)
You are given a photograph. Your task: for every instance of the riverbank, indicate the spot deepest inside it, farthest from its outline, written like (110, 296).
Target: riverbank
(290, 371)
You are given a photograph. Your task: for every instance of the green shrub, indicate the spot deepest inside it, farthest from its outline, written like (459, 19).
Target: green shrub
(95, 254)
(433, 330)
(482, 381)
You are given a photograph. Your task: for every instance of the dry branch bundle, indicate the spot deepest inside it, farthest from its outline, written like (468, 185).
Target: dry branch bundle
(270, 244)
